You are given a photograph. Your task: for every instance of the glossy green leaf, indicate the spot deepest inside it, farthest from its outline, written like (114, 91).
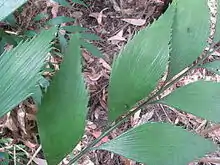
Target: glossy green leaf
(62, 114)
(74, 29)
(20, 68)
(9, 6)
(59, 20)
(91, 48)
(213, 66)
(140, 65)
(159, 144)
(217, 32)
(201, 98)
(189, 34)
(90, 36)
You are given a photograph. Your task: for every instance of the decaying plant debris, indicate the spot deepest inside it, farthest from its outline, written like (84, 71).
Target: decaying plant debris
(115, 22)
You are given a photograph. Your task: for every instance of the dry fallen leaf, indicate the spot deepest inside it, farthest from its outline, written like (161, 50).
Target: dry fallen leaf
(146, 117)
(29, 144)
(77, 14)
(117, 37)
(55, 7)
(39, 161)
(115, 5)
(21, 119)
(99, 16)
(10, 123)
(136, 22)
(95, 77)
(96, 134)
(86, 161)
(136, 118)
(127, 161)
(105, 64)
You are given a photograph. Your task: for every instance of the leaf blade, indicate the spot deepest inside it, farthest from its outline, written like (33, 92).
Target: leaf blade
(73, 29)
(20, 69)
(92, 49)
(80, 2)
(90, 36)
(145, 142)
(41, 16)
(67, 92)
(59, 20)
(9, 6)
(217, 32)
(200, 98)
(213, 66)
(140, 65)
(191, 27)
(63, 3)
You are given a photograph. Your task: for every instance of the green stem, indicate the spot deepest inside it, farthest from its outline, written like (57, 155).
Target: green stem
(150, 100)
(110, 129)
(96, 141)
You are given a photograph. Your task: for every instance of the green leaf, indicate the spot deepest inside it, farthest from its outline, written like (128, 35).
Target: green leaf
(11, 20)
(159, 144)
(92, 49)
(62, 2)
(37, 94)
(20, 68)
(74, 29)
(63, 41)
(90, 36)
(189, 34)
(8, 38)
(64, 106)
(79, 2)
(213, 66)
(59, 20)
(4, 158)
(37, 91)
(41, 16)
(140, 65)
(217, 32)
(2, 46)
(44, 82)
(9, 6)
(30, 33)
(200, 98)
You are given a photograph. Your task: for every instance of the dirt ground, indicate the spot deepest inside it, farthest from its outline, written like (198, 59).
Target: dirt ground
(115, 21)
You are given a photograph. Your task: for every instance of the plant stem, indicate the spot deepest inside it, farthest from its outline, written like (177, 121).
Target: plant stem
(150, 100)
(110, 129)
(96, 141)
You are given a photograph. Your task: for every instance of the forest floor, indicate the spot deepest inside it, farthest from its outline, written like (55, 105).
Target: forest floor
(115, 22)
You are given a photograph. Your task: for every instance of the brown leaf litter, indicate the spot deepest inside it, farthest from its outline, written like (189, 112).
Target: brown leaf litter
(115, 21)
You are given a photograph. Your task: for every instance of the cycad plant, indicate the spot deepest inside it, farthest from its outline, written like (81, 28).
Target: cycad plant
(175, 40)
